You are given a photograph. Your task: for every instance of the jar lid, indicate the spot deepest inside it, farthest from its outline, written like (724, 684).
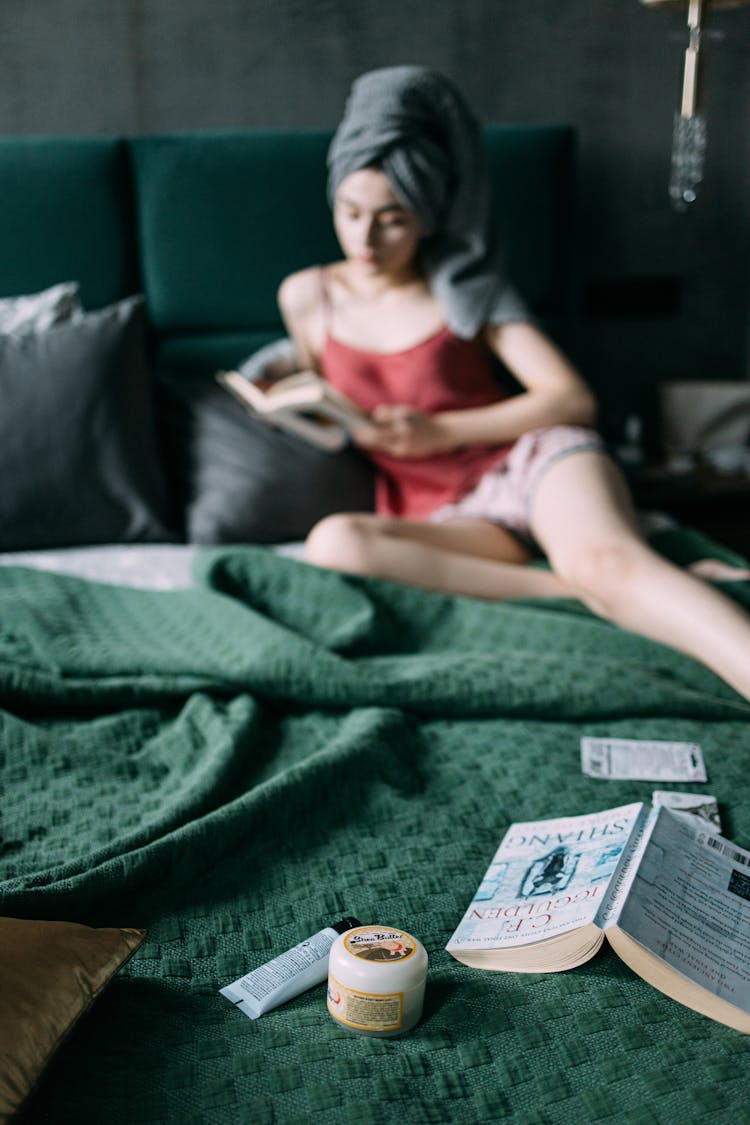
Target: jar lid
(379, 955)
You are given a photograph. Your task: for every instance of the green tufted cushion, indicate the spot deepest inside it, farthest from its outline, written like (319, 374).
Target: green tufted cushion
(67, 215)
(205, 353)
(224, 217)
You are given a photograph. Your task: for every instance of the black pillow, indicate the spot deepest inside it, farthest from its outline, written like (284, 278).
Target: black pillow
(240, 480)
(78, 454)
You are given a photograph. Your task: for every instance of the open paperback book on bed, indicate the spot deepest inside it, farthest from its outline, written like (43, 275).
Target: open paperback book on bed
(671, 897)
(303, 403)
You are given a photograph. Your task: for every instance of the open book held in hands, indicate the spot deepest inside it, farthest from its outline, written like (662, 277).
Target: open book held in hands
(671, 898)
(302, 403)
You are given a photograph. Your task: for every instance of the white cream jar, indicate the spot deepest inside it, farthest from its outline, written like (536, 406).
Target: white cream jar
(376, 980)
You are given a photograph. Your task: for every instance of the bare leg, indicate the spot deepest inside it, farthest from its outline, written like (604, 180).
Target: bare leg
(584, 521)
(461, 556)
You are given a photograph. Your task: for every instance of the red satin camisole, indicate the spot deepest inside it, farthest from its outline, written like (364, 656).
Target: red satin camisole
(443, 372)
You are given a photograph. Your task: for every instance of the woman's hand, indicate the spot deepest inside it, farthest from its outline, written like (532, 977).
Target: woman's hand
(402, 431)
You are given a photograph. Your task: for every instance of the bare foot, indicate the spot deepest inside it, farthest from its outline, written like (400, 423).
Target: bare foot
(714, 570)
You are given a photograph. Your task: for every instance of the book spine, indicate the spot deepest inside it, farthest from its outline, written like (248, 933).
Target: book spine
(622, 878)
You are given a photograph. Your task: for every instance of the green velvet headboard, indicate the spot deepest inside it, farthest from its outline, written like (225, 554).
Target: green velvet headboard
(67, 214)
(208, 224)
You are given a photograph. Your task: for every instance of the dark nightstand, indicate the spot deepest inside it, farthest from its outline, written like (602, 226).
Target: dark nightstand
(716, 503)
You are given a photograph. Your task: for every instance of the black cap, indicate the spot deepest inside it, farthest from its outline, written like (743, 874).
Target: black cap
(345, 924)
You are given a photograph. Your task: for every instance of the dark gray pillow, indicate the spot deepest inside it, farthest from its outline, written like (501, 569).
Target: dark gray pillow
(78, 455)
(240, 480)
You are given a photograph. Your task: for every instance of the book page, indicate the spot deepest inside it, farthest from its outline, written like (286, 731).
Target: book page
(300, 381)
(689, 903)
(548, 877)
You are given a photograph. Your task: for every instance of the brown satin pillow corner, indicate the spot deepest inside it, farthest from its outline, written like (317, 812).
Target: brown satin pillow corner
(50, 974)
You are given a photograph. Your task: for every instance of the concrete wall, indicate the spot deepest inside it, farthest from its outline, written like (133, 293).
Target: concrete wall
(663, 295)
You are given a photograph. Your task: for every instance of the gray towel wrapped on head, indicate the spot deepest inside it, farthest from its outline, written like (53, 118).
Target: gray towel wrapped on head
(414, 125)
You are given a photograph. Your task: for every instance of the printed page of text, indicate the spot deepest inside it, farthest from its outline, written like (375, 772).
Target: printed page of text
(689, 903)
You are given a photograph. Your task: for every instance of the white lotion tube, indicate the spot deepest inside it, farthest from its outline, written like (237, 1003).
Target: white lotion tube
(286, 976)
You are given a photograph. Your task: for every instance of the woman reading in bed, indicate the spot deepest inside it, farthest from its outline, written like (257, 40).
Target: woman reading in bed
(470, 482)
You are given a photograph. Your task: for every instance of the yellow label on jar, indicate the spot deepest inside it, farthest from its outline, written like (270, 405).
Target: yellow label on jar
(379, 944)
(367, 1011)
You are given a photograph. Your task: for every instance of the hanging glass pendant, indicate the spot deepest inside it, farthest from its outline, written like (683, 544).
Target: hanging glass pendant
(689, 134)
(688, 155)
(689, 131)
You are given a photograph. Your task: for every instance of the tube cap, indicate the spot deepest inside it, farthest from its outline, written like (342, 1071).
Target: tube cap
(345, 924)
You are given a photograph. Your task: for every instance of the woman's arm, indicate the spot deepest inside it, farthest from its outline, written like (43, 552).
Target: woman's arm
(300, 307)
(554, 394)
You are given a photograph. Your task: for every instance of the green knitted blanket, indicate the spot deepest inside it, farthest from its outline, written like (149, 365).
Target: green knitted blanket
(235, 766)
